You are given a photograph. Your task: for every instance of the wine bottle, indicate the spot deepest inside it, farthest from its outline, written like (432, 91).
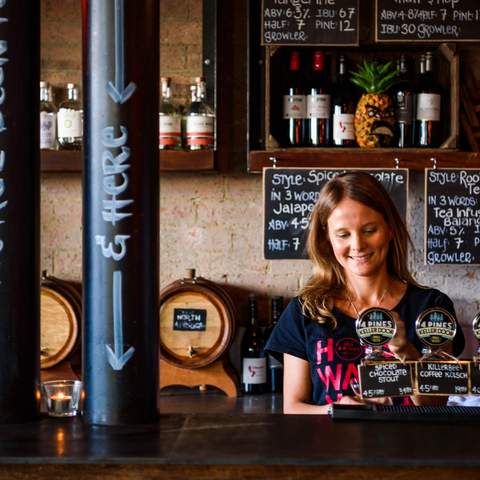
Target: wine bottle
(294, 105)
(319, 104)
(344, 105)
(70, 121)
(403, 101)
(274, 367)
(254, 363)
(170, 130)
(48, 118)
(428, 106)
(199, 119)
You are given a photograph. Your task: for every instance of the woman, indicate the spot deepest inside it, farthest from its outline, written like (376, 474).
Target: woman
(358, 245)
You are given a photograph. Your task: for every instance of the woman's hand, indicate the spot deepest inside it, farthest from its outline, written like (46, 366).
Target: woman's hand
(399, 344)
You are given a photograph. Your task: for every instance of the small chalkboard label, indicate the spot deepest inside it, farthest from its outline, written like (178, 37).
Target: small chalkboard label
(442, 378)
(475, 378)
(290, 195)
(310, 22)
(452, 216)
(427, 20)
(189, 319)
(385, 379)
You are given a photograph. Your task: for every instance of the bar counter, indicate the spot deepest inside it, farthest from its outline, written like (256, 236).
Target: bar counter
(222, 441)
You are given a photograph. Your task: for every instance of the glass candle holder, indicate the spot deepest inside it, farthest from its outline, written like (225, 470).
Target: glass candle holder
(62, 397)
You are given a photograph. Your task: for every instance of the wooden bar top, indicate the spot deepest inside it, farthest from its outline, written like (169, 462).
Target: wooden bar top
(215, 444)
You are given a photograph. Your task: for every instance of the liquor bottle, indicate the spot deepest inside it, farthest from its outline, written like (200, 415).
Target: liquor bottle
(274, 367)
(403, 101)
(48, 118)
(294, 105)
(70, 121)
(170, 130)
(254, 363)
(343, 109)
(199, 119)
(319, 104)
(428, 106)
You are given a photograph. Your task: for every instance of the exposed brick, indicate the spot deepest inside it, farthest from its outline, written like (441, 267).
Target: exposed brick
(194, 58)
(195, 8)
(172, 58)
(173, 8)
(179, 32)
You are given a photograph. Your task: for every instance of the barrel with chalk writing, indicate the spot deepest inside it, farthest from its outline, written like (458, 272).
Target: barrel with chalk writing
(60, 314)
(197, 322)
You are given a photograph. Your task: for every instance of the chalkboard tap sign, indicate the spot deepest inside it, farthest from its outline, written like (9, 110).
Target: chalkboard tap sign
(310, 22)
(427, 20)
(380, 375)
(452, 216)
(437, 372)
(290, 195)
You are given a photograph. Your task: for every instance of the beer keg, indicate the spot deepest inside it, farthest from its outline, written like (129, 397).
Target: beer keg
(60, 314)
(197, 322)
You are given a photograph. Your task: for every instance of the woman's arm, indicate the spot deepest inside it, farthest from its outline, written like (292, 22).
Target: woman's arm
(297, 388)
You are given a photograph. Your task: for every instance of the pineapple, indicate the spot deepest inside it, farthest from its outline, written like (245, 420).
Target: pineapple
(374, 116)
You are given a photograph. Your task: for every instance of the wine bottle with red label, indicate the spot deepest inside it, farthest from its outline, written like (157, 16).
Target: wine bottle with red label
(294, 105)
(254, 362)
(319, 116)
(428, 128)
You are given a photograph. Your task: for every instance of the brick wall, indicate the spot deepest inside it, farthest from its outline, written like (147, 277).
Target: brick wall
(180, 44)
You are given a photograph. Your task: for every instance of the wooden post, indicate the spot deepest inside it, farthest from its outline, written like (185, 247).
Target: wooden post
(121, 190)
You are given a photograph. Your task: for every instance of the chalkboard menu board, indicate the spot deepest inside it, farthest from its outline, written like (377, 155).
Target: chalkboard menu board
(452, 216)
(289, 195)
(310, 22)
(442, 378)
(427, 20)
(385, 379)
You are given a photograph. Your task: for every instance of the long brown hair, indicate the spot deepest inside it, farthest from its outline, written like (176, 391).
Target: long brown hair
(328, 279)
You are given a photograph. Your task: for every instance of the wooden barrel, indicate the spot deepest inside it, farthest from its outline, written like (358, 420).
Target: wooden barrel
(60, 316)
(197, 322)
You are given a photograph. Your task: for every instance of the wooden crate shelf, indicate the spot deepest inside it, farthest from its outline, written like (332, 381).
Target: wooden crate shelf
(412, 158)
(170, 161)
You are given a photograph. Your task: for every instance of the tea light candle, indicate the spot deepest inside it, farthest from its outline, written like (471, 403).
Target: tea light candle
(60, 404)
(62, 397)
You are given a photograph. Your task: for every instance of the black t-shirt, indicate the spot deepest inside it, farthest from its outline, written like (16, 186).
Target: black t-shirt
(333, 354)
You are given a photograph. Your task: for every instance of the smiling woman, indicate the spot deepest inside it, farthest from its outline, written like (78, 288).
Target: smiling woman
(358, 245)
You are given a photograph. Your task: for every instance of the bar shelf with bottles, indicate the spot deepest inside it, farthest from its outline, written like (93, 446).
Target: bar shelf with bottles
(186, 143)
(280, 140)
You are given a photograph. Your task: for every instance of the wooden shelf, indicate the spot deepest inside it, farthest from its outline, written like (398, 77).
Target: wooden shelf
(182, 161)
(60, 161)
(170, 161)
(412, 158)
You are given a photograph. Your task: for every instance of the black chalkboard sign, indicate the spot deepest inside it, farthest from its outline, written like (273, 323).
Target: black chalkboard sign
(310, 22)
(385, 379)
(189, 319)
(452, 216)
(290, 194)
(442, 378)
(427, 20)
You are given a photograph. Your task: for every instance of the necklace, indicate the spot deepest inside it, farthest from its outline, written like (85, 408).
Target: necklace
(379, 302)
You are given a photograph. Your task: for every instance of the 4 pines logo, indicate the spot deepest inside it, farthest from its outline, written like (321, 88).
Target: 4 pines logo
(375, 326)
(436, 327)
